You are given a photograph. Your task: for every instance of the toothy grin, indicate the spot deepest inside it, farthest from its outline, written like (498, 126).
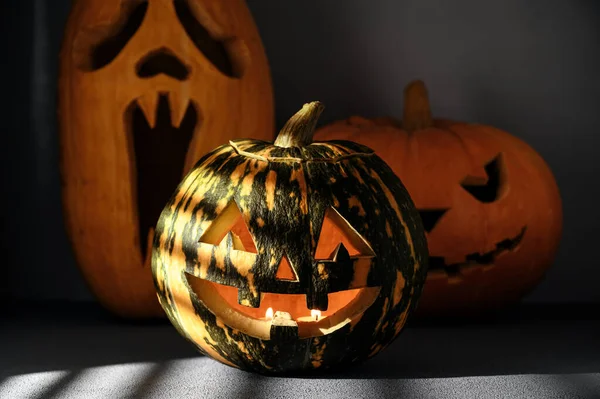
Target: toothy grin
(216, 298)
(160, 127)
(437, 264)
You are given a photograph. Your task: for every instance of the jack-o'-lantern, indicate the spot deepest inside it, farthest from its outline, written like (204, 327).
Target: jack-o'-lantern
(146, 88)
(245, 272)
(489, 203)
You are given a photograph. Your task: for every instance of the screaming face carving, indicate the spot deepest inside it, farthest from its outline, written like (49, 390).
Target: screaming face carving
(148, 87)
(160, 123)
(150, 140)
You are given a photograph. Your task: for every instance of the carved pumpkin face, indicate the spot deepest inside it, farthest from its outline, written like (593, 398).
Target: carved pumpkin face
(489, 204)
(244, 270)
(228, 236)
(146, 88)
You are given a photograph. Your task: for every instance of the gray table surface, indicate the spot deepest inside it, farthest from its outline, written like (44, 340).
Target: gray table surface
(67, 350)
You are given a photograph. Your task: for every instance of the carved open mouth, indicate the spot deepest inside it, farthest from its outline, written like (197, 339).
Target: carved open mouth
(283, 315)
(160, 127)
(437, 264)
(285, 311)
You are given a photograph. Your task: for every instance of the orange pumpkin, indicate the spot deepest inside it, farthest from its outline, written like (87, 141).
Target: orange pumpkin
(146, 88)
(488, 201)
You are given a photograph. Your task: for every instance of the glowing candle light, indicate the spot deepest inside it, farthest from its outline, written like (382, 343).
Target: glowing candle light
(315, 314)
(269, 314)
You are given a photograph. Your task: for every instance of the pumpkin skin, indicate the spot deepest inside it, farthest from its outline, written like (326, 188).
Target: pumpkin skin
(281, 193)
(147, 88)
(489, 203)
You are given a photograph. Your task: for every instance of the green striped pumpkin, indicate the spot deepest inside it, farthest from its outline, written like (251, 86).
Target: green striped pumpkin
(293, 197)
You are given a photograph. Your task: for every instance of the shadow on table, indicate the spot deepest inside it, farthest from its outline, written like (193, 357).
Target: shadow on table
(530, 341)
(72, 336)
(523, 340)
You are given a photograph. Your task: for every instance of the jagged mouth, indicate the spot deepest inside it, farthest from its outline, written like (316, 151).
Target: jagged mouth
(438, 265)
(160, 127)
(289, 317)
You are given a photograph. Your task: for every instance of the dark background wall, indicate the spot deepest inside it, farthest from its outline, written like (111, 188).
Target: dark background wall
(529, 67)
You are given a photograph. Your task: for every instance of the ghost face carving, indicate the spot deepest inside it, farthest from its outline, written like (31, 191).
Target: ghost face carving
(146, 88)
(276, 259)
(488, 202)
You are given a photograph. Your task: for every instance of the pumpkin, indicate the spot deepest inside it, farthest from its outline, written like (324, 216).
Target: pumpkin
(489, 203)
(244, 271)
(146, 88)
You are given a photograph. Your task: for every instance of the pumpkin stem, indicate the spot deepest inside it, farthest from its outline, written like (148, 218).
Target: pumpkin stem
(298, 131)
(417, 113)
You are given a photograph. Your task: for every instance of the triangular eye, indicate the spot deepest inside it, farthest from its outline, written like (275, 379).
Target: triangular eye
(285, 271)
(242, 239)
(335, 231)
(431, 217)
(230, 221)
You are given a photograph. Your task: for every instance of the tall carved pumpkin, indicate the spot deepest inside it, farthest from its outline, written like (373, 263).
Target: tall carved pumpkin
(146, 88)
(488, 201)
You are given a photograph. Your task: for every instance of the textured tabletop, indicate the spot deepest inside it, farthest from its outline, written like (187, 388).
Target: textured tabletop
(77, 351)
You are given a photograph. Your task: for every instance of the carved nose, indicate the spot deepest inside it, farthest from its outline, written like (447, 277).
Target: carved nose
(162, 61)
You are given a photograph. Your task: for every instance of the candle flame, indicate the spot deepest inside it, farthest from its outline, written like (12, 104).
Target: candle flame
(315, 313)
(269, 313)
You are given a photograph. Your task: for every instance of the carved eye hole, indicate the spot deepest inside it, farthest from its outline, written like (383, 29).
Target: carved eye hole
(338, 235)
(96, 47)
(242, 238)
(230, 230)
(229, 56)
(230, 225)
(488, 189)
(431, 217)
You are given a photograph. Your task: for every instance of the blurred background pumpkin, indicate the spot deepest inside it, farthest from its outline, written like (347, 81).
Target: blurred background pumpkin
(146, 88)
(488, 201)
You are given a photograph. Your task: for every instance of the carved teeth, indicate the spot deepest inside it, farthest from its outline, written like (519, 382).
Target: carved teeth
(283, 328)
(179, 105)
(245, 298)
(317, 300)
(149, 106)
